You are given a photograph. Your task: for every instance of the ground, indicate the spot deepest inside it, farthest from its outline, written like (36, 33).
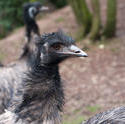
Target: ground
(92, 84)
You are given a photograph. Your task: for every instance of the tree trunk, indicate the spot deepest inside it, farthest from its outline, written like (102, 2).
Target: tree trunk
(82, 13)
(110, 27)
(91, 22)
(94, 32)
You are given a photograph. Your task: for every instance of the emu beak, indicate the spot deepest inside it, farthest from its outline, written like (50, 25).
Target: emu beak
(73, 51)
(44, 8)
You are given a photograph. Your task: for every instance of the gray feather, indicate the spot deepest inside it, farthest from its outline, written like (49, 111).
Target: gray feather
(114, 116)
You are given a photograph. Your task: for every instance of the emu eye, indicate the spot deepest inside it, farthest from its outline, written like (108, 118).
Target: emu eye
(57, 46)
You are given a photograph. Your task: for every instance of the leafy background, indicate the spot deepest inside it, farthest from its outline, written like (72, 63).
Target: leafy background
(11, 13)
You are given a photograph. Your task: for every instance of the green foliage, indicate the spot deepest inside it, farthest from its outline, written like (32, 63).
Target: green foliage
(5, 26)
(2, 55)
(78, 120)
(59, 3)
(93, 108)
(60, 19)
(11, 15)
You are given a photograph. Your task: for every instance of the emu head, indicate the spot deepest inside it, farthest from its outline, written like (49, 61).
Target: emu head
(39, 6)
(53, 48)
(34, 8)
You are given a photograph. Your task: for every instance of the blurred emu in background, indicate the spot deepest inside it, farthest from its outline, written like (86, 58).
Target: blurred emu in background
(30, 11)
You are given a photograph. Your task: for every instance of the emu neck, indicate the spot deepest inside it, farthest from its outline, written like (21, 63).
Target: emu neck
(43, 97)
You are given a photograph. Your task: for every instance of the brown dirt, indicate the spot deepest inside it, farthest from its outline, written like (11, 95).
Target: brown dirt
(98, 80)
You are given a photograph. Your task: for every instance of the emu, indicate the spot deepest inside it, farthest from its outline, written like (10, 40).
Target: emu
(31, 90)
(30, 11)
(113, 116)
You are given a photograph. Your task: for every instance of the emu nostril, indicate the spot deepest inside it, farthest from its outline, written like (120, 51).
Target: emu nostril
(77, 51)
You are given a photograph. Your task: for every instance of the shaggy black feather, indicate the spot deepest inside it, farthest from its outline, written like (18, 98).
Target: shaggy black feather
(31, 89)
(114, 116)
(57, 37)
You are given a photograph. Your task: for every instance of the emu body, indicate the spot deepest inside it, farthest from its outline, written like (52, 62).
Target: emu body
(31, 90)
(113, 116)
(32, 96)
(10, 79)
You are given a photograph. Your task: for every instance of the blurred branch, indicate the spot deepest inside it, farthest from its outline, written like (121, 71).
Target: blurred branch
(82, 14)
(110, 26)
(94, 32)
